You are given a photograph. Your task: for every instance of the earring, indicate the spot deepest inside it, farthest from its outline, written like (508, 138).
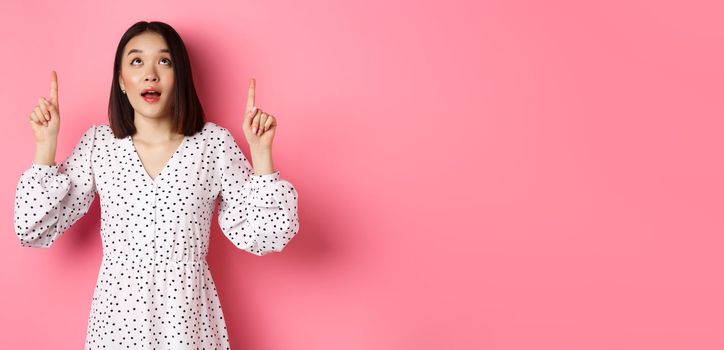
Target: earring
(124, 91)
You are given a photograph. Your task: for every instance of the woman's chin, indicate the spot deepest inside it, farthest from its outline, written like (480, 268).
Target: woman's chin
(152, 111)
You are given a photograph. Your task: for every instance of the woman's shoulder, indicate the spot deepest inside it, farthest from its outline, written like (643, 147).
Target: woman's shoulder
(102, 129)
(215, 131)
(103, 133)
(214, 127)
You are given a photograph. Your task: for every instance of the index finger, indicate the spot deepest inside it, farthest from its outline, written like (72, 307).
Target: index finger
(54, 88)
(250, 96)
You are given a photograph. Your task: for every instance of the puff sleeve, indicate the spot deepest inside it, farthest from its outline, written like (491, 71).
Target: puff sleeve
(258, 213)
(51, 198)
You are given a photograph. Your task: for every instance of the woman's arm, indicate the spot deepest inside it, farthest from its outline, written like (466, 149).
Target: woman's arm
(258, 213)
(49, 198)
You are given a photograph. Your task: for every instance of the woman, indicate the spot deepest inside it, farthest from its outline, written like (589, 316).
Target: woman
(158, 168)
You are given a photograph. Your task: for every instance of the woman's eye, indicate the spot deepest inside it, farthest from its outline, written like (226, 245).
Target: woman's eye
(163, 59)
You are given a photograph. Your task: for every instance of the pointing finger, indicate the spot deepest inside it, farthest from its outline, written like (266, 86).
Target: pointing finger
(54, 88)
(250, 96)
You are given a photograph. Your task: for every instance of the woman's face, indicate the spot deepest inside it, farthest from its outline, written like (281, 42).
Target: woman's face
(146, 63)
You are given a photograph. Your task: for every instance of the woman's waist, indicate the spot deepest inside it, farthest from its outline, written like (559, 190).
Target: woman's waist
(157, 259)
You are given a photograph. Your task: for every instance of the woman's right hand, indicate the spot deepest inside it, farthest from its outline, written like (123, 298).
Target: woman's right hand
(45, 118)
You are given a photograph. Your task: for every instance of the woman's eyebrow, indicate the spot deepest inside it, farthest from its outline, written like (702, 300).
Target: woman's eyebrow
(137, 50)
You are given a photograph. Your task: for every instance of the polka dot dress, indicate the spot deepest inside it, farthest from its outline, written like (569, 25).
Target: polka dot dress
(154, 288)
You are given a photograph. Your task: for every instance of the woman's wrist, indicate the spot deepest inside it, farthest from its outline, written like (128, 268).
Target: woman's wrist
(262, 161)
(45, 153)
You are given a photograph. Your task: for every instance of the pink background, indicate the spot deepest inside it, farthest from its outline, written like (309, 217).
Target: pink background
(472, 174)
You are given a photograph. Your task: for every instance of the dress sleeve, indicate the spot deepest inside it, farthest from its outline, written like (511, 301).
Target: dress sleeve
(51, 198)
(258, 213)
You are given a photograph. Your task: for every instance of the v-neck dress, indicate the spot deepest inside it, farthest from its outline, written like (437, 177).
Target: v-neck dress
(154, 288)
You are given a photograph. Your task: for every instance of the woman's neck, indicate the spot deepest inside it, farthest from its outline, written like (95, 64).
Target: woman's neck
(156, 129)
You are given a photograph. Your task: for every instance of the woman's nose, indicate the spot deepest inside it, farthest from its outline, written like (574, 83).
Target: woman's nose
(151, 74)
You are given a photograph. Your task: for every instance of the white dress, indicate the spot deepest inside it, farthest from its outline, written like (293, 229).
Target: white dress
(154, 287)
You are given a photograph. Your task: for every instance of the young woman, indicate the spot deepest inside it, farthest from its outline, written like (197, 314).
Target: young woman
(158, 168)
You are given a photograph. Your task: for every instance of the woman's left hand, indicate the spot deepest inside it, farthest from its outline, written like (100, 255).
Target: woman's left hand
(259, 126)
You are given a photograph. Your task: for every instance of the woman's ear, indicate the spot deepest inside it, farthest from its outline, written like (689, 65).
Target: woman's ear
(120, 81)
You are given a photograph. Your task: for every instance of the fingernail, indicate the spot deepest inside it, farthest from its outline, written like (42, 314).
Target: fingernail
(254, 130)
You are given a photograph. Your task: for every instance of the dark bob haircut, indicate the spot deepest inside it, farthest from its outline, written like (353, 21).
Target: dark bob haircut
(187, 116)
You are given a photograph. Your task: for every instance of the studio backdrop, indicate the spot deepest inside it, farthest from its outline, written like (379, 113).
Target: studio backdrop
(471, 174)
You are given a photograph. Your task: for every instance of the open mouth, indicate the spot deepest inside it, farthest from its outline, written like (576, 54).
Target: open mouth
(151, 96)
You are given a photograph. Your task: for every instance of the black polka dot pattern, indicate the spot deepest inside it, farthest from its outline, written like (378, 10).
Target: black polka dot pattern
(154, 287)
